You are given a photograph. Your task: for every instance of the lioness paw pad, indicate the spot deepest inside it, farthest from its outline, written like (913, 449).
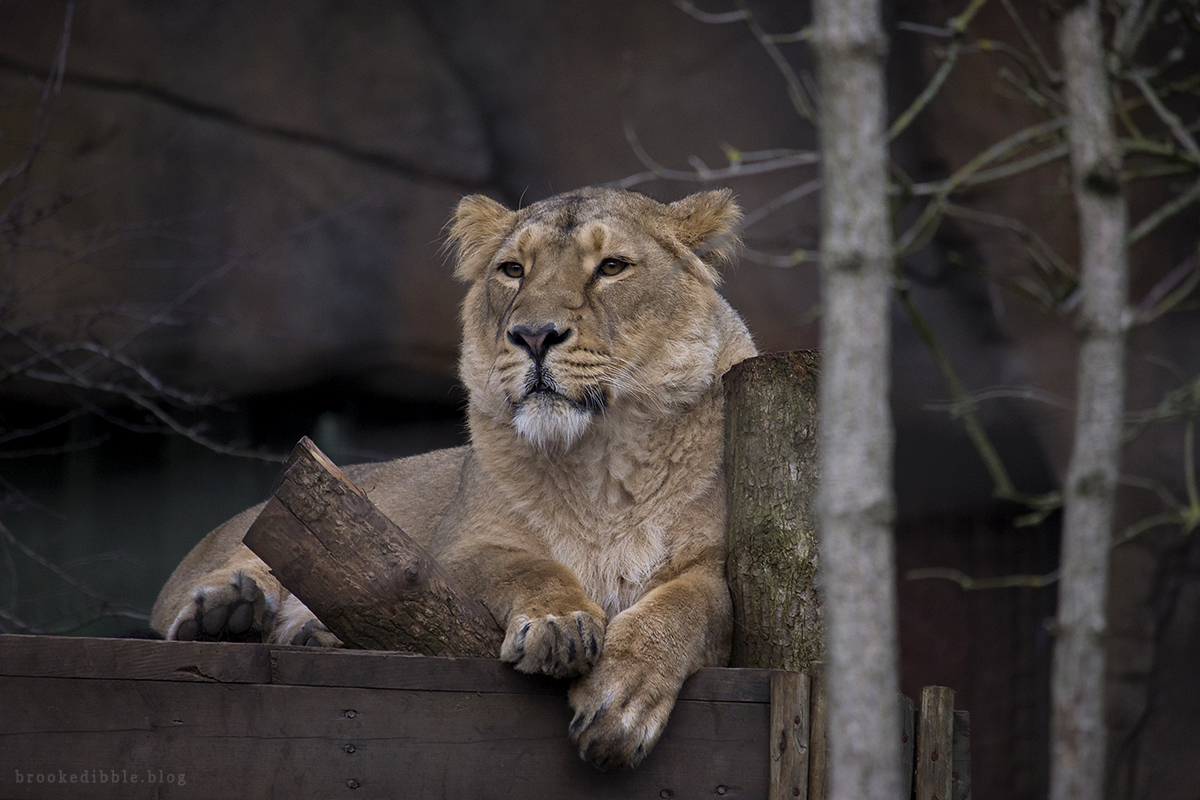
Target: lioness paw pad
(560, 646)
(237, 611)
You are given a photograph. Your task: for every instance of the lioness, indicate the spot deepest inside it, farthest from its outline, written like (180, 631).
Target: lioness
(587, 513)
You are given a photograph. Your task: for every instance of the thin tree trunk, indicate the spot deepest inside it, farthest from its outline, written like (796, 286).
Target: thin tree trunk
(856, 502)
(1078, 727)
(771, 475)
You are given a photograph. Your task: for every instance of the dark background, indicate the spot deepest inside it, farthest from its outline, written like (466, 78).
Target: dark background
(247, 201)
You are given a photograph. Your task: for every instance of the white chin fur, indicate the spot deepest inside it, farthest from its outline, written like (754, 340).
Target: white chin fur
(550, 424)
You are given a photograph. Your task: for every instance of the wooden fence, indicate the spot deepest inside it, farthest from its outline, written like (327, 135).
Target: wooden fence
(110, 718)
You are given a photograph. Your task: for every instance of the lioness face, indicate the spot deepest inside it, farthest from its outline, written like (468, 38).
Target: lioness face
(586, 302)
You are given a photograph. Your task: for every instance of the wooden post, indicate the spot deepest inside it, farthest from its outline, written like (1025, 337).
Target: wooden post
(908, 743)
(817, 739)
(960, 778)
(935, 744)
(372, 585)
(789, 736)
(771, 480)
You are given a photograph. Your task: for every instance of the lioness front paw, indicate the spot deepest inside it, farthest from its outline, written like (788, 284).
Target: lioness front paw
(295, 624)
(560, 646)
(621, 709)
(237, 611)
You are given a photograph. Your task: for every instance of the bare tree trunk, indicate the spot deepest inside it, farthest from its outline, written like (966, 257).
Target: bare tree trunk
(856, 502)
(1078, 726)
(771, 475)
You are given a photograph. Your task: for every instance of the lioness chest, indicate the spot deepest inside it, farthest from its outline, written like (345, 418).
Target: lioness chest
(617, 543)
(615, 566)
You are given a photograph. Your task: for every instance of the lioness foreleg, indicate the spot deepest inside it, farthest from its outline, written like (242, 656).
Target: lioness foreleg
(550, 624)
(650, 649)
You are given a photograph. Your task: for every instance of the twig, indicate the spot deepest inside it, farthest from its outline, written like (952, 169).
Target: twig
(1164, 213)
(788, 197)
(1002, 485)
(738, 170)
(709, 18)
(1048, 72)
(958, 26)
(1169, 118)
(1169, 292)
(977, 584)
(1003, 393)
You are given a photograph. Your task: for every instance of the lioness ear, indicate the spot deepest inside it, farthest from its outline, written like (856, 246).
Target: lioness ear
(478, 227)
(707, 224)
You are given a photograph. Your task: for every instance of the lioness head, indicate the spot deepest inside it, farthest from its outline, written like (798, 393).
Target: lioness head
(589, 301)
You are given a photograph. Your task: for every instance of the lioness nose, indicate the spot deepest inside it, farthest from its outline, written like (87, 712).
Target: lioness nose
(537, 342)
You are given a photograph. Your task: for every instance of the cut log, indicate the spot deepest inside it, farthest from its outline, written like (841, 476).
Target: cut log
(771, 480)
(372, 585)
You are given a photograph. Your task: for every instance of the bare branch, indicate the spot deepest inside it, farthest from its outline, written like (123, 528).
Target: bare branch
(708, 18)
(1164, 213)
(1169, 118)
(1049, 74)
(977, 584)
(739, 169)
(957, 26)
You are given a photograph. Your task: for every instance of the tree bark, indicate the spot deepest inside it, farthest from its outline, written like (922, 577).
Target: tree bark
(1078, 728)
(771, 478)
(371, 585)
(856, 500)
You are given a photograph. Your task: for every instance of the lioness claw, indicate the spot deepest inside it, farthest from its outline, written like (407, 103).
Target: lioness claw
(560, 646)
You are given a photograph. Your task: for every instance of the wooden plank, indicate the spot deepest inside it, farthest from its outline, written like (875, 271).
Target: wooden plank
(789, 736)
(374, 669)
(230, 662)
(82, 657)
(908, 741)
(935, 752)
(296, 742)
(818, 742)
(960, 781)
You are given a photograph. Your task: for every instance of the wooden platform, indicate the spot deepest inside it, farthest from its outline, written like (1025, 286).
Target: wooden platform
(114, 718)
(108, 718)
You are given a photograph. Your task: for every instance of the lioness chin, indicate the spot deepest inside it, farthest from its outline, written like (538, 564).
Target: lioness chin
(587, 513)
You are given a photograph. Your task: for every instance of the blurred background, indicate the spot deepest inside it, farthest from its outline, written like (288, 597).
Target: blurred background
(222, 230)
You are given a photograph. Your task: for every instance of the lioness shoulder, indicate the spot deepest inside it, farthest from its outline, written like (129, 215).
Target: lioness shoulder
(587, 513)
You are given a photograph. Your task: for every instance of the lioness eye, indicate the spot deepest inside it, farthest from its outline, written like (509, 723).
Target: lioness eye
(612, 266)
(512, 269)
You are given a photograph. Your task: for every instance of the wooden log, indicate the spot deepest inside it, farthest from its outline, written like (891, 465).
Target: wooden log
(935, 744)
(789, 736)
(371, 584)
(771, 481)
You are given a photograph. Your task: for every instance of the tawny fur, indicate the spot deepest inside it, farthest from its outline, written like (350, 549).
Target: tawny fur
(587, 513)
